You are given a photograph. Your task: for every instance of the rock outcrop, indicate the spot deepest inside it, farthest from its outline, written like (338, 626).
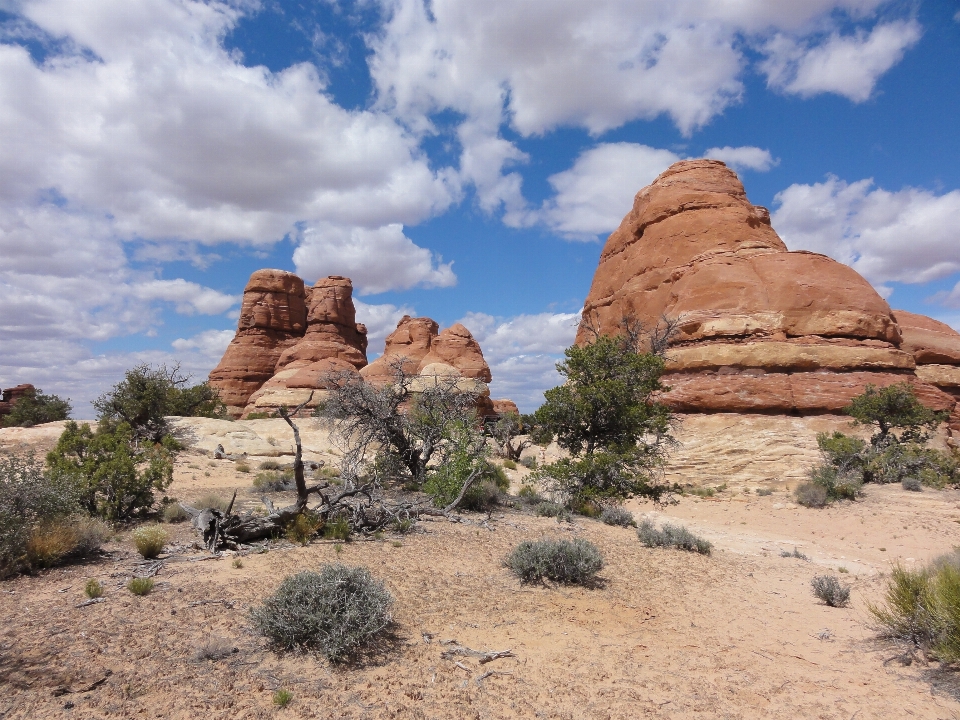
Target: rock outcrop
(10, 396)
(761, 329)
(291, 338)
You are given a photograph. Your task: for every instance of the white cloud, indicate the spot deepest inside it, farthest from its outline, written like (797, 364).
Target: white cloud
(947, 298)
(189, 297)
(743, 158)
(911, 235)
(847, 65)
(376, 259)
(381, 320)
(209, 343)
(593, 196)
(522, 352)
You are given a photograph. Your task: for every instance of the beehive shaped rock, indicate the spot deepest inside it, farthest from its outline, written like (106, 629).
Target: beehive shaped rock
(408, 345)
(761, 329)
(273, 318)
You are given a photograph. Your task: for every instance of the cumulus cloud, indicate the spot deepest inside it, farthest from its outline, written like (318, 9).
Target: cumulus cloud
(948, 298)
(522, 352)
(847, 65)
(376, 259)
(381, 320)
(210, 343)
(744, 158)
(189, 297)
(911, 235)
(593, 196)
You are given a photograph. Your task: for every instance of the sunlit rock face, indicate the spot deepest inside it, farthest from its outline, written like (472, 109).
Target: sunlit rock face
(762, 329)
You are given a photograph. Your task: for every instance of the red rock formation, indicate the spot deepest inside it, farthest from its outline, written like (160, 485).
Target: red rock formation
(505, 407)
(410, 341)
(273, 317)
(762, 329)
(456, 346)
(10, 396)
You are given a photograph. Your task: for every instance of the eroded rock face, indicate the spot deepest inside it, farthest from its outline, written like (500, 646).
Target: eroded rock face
(10, 396)
(761, 329)
(273, 318)
(410, 343)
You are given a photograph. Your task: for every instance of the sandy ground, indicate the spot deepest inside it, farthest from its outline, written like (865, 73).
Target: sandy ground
(668, 634)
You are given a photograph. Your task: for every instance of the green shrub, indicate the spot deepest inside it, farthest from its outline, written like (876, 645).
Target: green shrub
(404, 525)
(173, 513)
(35, 408)
(509, 464)
(764, 491)
(529, 462)
(337, 529)
(444, 483)
(549, 509)
(528, 494)
(116, 476)
(282, 698)
(29, 496)
(912, 484)
(838, 484)
(140, 586)
(922, 608)
(242, 467)
(93, 589)
(811, 495)
(335, 611)
(829, 589)
(149, 540)
(573, 562)
(675, 536)
(619, 516)
(273, 481)
(702, 491)
(304, 526)
(270, 465)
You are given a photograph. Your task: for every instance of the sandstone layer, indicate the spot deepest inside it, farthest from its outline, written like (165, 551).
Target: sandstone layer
(761, 329)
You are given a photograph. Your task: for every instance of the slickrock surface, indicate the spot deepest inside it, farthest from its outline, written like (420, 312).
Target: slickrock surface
(762, 329)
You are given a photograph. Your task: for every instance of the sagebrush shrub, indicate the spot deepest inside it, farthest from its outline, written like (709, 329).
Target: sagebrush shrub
(335, 611)
(829, 589)
(529, 462)
(675, 536)
(619, 516)
(337, 529)
(912, 484)
(273, 481)
(549, 509)
(173, 513)
(28, 496)
(270, 465)
(811, 495)
(93, 589)
(149, 540)
(573, 562)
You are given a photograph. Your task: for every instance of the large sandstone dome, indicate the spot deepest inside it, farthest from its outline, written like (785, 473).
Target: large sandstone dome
(762, 329)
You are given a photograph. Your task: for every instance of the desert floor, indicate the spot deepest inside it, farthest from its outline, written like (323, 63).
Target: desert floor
(668, 634)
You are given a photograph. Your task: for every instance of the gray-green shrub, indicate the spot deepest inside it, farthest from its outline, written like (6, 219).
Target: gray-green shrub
(672, 536)
(829, 589)
(572, 562)
(617, 515)
(334, 612)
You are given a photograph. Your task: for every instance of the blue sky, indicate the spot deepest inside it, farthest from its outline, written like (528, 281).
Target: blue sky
(461, 160)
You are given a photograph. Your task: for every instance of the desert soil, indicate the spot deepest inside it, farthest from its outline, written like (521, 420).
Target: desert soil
(667, 634)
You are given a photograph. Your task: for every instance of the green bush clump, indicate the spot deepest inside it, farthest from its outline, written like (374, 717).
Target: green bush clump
(509, 464)
(35, 408)
(273, 481)
(812, 495)
(922, 608)
(303, 527)
(528, 494)
(335, 611)
(116, 475)
(29, 498)
(270, 465)
(150, 540)
(282, 698)
(675, 536)
(445, 482)
(93, 589)
(550, 509)
(337, 529)
(173, 513)
(572, 562)
(617, 516)
(140, 586)
(829, 589)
